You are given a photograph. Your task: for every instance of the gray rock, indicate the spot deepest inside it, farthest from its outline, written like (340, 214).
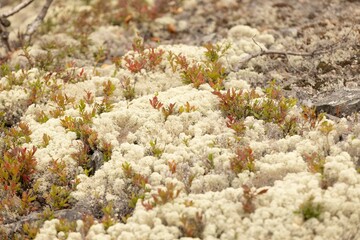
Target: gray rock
(96, 161)
(339, 103)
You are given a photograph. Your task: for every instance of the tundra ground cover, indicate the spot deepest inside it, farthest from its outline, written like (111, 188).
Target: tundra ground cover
(170, 142)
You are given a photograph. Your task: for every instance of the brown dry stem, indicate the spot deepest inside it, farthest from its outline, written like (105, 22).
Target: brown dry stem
(17, 8)
(32, 27)
(316, 52)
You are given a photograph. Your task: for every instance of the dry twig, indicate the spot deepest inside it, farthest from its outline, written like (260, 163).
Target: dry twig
(263, 52)
(5, 23)
(316, 52)
(17, 8)
(32, 27)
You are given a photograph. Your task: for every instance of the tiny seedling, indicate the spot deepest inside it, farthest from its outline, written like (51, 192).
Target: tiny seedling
(155, 150)
(192, 227)
(187, 108)
(172, 166)
(162, 196)
(65, 226)
(248, 198)
(58, 197)
(244, 160)
(128, 89)
(108, 218)
(155, 103)
(168, 110)
(326, 128)
(46, 140)
(308, 209)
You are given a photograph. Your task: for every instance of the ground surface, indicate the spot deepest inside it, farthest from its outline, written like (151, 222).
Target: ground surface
(298, 26)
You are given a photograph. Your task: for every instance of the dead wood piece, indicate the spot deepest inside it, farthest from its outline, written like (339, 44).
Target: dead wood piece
(17, 8)
(32, 27)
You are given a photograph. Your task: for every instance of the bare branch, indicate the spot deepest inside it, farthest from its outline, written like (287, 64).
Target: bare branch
(32, 27)
(4, 22)
(316, 52)
(17, 8)
(257, 43)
